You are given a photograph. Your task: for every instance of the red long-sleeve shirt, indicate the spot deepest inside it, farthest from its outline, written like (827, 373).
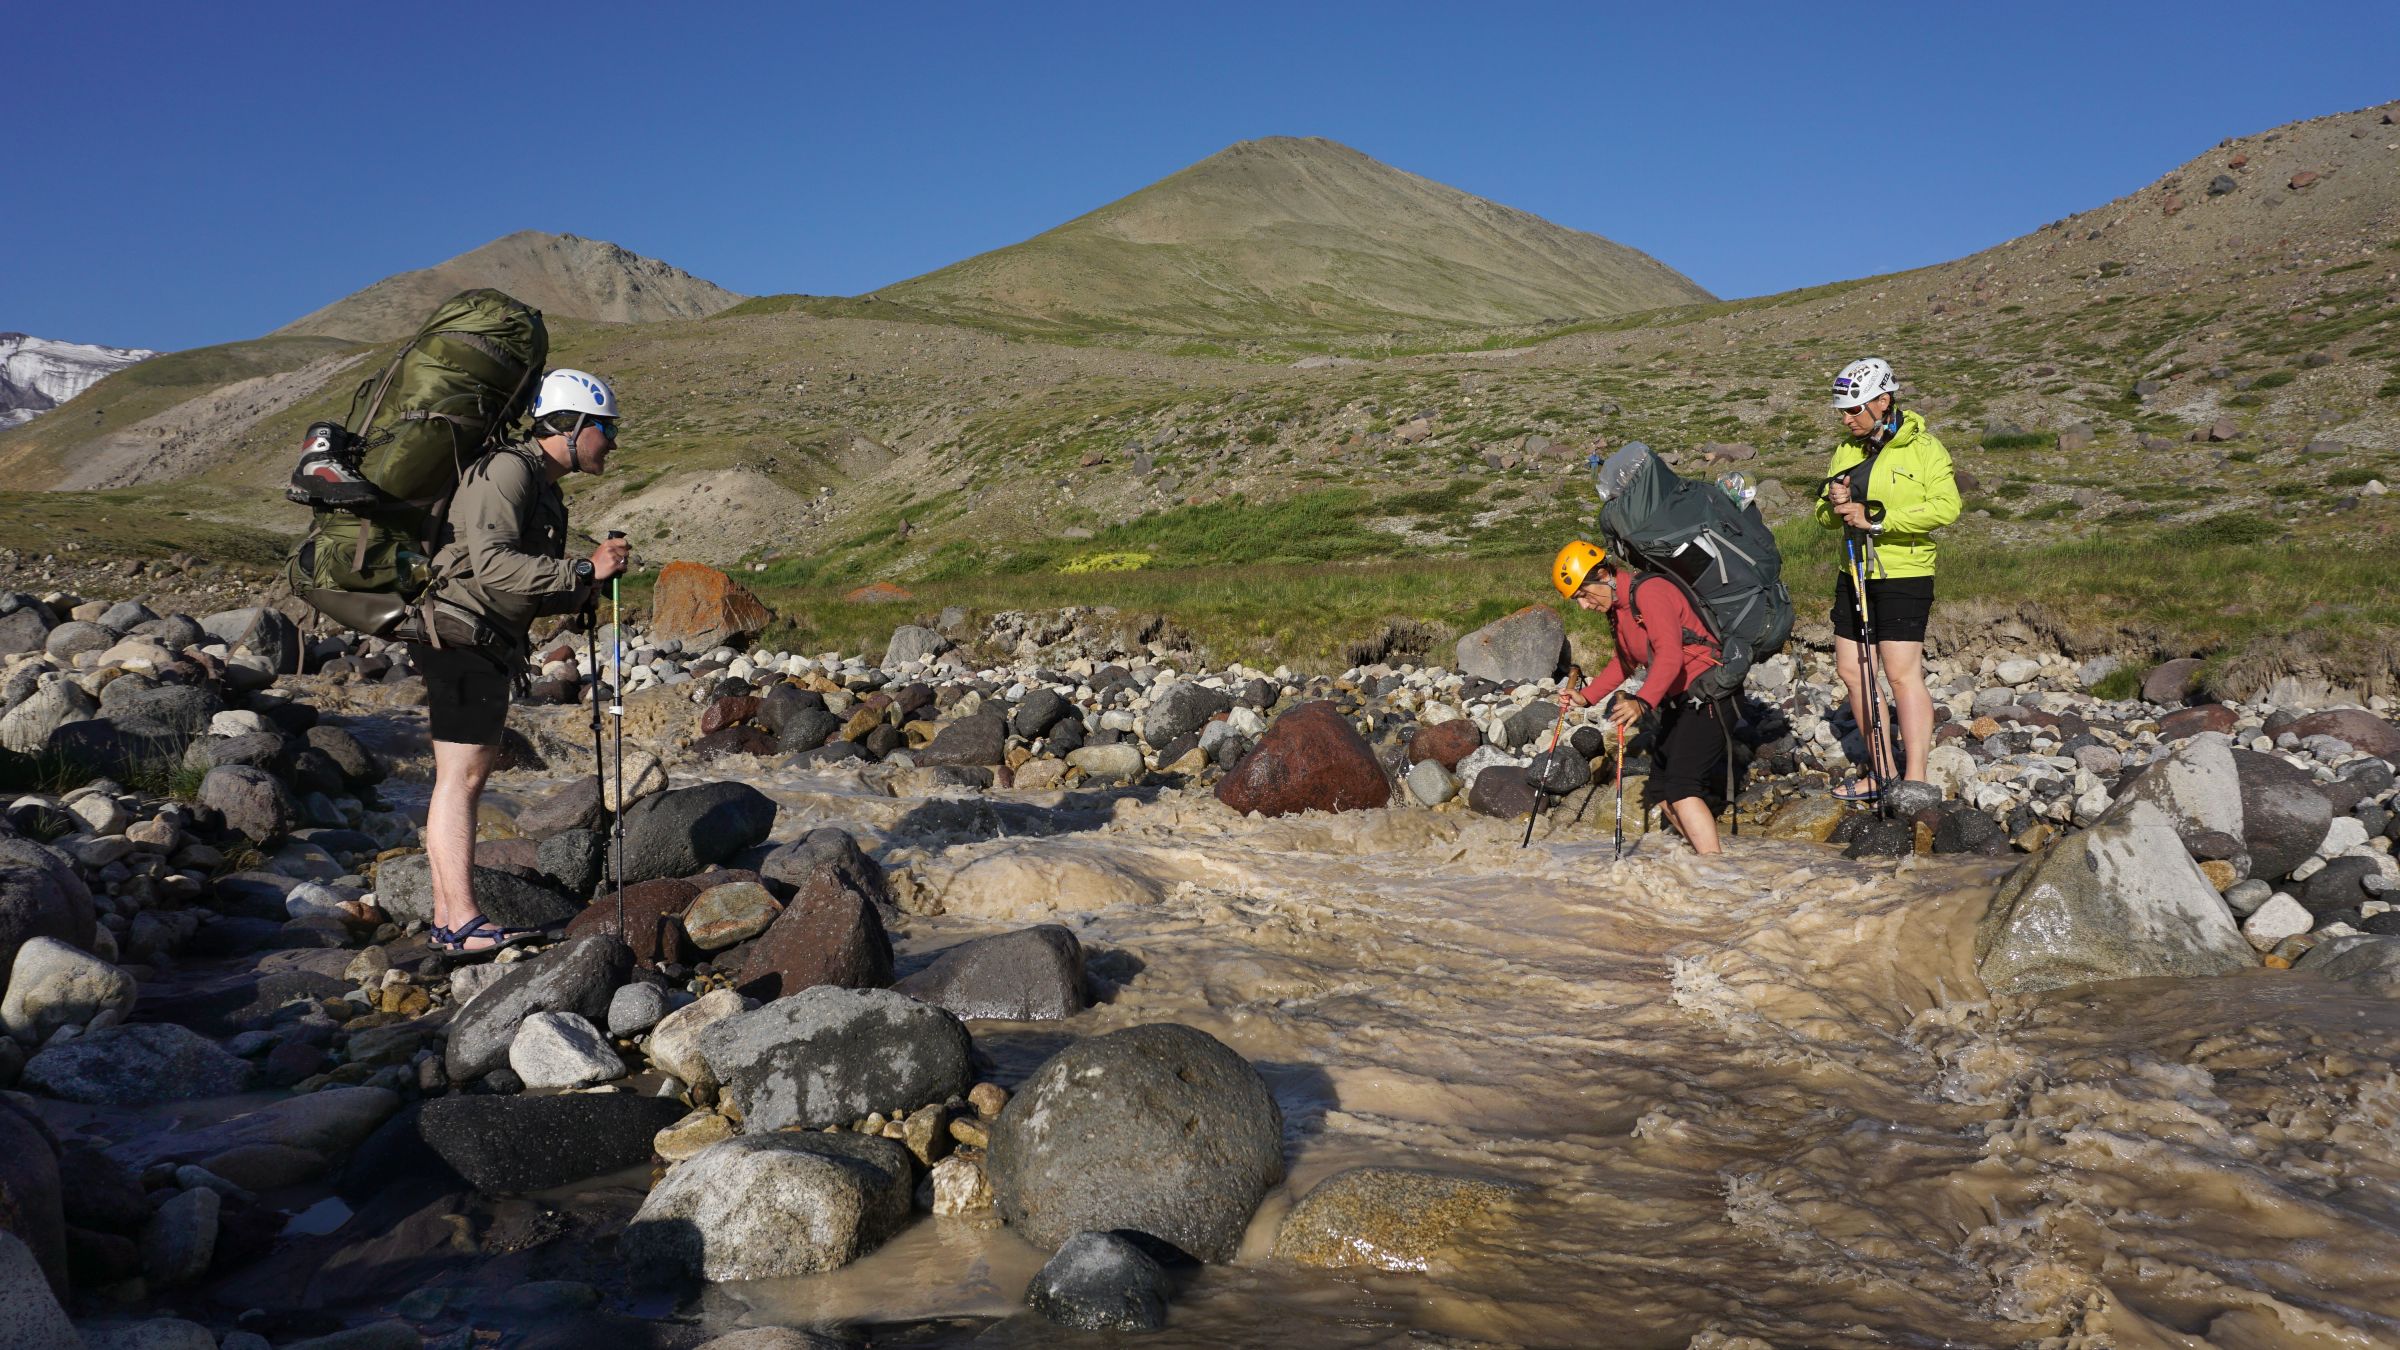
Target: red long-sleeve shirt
(1669, 639)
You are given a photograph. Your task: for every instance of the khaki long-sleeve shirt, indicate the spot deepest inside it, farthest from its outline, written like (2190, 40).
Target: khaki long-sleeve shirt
(502, 547)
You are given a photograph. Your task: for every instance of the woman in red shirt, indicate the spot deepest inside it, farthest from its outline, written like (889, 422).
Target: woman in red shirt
(1656, 630)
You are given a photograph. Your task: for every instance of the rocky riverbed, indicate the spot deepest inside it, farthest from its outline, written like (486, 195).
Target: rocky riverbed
(1027, 981)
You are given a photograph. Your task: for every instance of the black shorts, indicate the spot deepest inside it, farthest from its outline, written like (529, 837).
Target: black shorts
(466, 693)
(1898, 605)
(1687, 758)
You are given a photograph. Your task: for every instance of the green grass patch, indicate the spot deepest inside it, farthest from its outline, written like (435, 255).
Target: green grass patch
(2274, 379)
(2022, 440)
(2118, 685)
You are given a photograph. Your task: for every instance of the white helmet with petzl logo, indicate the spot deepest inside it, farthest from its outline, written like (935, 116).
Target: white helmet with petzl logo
(574, 391)
(1862, 381)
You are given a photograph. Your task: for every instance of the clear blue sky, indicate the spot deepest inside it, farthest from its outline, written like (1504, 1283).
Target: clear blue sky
(185, 174)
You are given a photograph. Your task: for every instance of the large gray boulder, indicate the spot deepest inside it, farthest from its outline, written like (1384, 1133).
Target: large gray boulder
(2284, 813)
(75, 637)
(2371, 963)
(681, 831)
(1180, 709)
(24, 629)
(912, 643)
(40, 896)
(774, 1204)
(30, 1318)
(2195, 786)
(27, 727)
(828, 1056)
(268, 634)
(183, 708)
(1527, 645)
(1033, 974)
(136, 1065)
(2119, 901)
(1159, 1129)
(52, 984)
(576, 976)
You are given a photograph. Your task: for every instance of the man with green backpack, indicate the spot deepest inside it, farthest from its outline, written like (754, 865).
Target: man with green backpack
(500, 563)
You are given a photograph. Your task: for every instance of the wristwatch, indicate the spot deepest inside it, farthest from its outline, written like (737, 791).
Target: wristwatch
(583, 569)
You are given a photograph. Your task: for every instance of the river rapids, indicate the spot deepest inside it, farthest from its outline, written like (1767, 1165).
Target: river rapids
(1753, 1100)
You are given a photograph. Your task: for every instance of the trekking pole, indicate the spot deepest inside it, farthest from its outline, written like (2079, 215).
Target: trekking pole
(616, 708)
(591, 647)
(1872, 732)
(1573, 678)
(1620, 814)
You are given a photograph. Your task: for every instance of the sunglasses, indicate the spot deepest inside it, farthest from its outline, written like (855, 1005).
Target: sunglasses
(606, 426)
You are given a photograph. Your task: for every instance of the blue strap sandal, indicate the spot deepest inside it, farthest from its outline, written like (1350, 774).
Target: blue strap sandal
(1863, 790)
(454, 941)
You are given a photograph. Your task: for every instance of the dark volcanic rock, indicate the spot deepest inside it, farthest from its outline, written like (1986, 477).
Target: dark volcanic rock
(1040, 710)
(575, 805)
(1966, 830)
(1311, 759)
(574, 859)
(1029, 975)
(828, 1056)
(504, 1145)
(1501, 791)
(683, 830)
(1559, 772)
(831, 932)
(2340, 884)
(1180, 710)
(252, 802)
(1159, 1129)
(1101, 1282)
(1876, 837)
(981, 739)
(803, 727)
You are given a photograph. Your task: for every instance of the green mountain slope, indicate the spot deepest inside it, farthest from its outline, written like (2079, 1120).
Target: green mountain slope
(1293, 235)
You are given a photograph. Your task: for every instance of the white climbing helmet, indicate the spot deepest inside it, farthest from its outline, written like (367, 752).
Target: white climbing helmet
(1859, 383)
(573, 391)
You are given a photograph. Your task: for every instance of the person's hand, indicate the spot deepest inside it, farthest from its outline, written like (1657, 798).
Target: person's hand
(608, 559)
(1625, 713)
(1571, 697)
(1852, 514)
(1838, 493)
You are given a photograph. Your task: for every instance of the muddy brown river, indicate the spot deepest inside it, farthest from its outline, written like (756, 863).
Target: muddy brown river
(1756, 1100)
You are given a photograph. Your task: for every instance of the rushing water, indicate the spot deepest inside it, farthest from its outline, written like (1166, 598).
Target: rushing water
(1757, 1100)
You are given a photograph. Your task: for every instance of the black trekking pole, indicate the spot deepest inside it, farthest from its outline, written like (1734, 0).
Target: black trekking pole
(1870, 667)
(616, 815)
(1574, 677)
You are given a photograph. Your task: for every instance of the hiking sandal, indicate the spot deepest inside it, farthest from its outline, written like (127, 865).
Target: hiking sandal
(454, 941)
(1863, 790)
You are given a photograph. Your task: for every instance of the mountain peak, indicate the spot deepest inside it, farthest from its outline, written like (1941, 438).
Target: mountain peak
(562, 275)
(1288, 233)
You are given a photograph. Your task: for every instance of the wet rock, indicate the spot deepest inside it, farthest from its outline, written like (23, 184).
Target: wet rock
(774, 1338)
(702, 607)
(1101, 1282)
(1876, 836)
(30, 1318)
(1386, 1218)
(1966, 830)
(731, 741)
(181, 1237)
(1311, 759)
(1181, 709)
(2283, 815)
(1501, 791)
(1559, 772)
(577, 976)
(653, 922)
(960, 1187)
(684, 830)
(805, 728)
(1445, 743)
(1159, 1129)
(253, 803)
(1033, 974)
(831, 932)
(768, 1205)
(505, 1145)
(574, 805)
(724, 915)
(562, 1050)
(52, 984)
(828, 1056)
(2121, 900)
(1526, 646)
(136, 1065)
(674, 1045)
(2372, 963)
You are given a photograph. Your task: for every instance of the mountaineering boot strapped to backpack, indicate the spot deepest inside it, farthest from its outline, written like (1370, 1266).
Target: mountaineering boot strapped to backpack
(379, 482)
(1721, 554)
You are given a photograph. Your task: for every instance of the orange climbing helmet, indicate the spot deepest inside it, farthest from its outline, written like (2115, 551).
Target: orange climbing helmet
(1574, 563)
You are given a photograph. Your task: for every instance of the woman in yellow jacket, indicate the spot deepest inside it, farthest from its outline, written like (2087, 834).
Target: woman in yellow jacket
(1889, 487)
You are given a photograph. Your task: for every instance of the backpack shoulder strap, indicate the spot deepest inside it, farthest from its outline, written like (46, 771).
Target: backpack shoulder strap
(1691, 600)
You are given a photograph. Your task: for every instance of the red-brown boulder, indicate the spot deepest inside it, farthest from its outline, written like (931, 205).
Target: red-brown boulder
(703, 608)
(830, 932)
(1445, 743)
(2362, 729)
(2184, 722)
(654, 916)
(731, 710)
(1311, 759)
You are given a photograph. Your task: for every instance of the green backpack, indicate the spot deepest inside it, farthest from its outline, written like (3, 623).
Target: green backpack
(378, 484)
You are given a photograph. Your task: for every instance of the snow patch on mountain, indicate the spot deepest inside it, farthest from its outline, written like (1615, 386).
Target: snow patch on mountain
(38, 374)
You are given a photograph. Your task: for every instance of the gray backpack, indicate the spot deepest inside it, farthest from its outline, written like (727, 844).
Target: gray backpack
(1720, 551)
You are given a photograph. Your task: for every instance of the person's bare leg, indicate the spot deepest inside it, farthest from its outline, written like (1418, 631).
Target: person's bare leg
(1846, 664)
(1904, 669)
(459, 772)
(1695, 822)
